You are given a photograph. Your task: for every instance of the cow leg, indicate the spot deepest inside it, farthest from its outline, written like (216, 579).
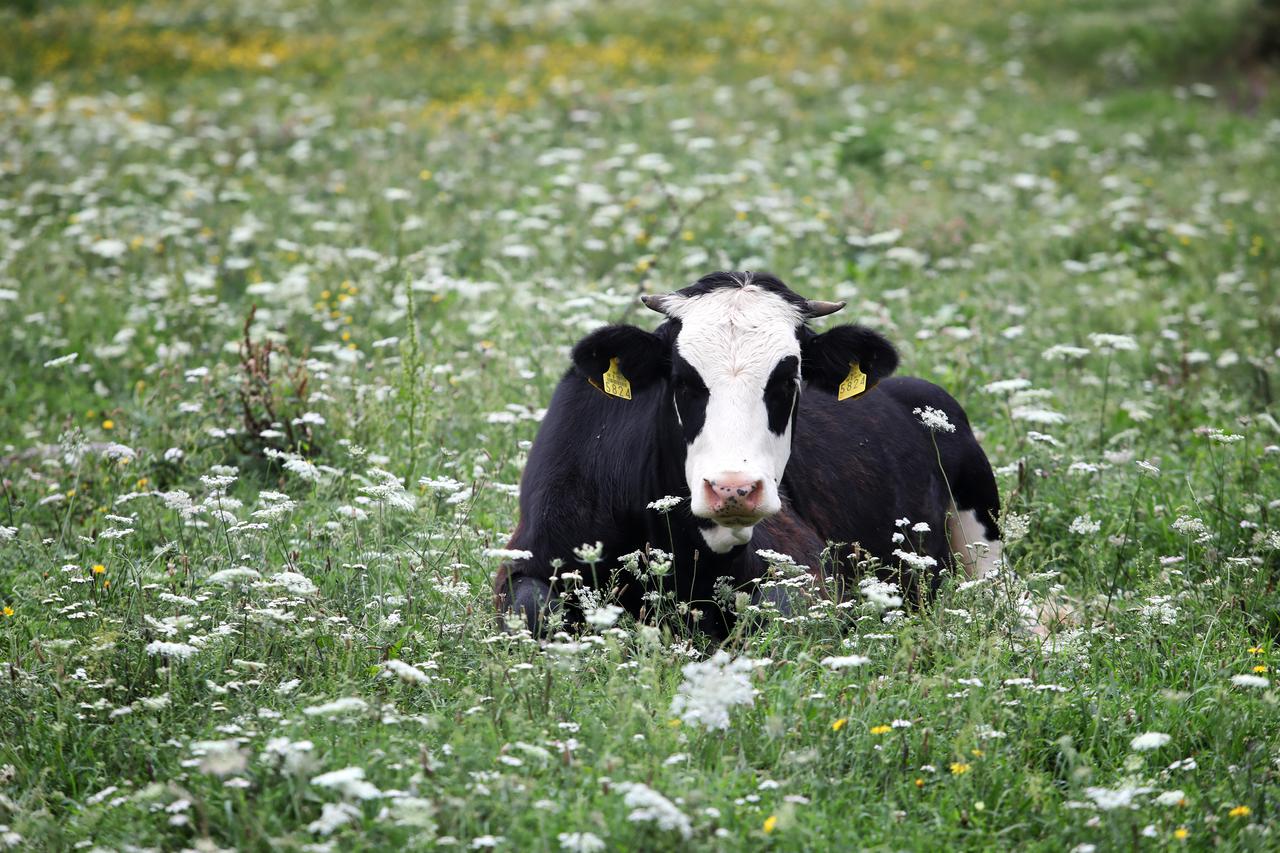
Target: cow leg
(979, 555)
(531, 598)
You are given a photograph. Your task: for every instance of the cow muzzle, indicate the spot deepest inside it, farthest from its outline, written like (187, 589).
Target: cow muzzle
(734, 499)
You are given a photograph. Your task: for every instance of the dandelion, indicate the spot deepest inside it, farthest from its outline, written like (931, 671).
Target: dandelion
(1256, 650)
(839, 724)
(1181, 833)
(770, 824)
(1240, 811)
(935, 420)
(880, 730)
(959, 768)
(99, 569)
(711, 688)
(1148, 741)
(8, 611)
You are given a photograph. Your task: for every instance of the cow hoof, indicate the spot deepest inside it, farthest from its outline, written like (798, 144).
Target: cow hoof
(531, 599)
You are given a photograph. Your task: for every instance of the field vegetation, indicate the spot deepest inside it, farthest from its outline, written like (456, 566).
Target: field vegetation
(286, 287)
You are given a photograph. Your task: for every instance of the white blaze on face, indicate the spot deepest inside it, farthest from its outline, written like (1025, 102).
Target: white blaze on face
(734, 337)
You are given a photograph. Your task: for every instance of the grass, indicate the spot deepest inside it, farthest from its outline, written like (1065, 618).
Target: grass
(293, 246)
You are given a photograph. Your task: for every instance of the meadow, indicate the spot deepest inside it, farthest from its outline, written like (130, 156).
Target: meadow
(286, 287)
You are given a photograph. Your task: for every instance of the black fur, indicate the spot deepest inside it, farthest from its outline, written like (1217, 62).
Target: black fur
(856, 466)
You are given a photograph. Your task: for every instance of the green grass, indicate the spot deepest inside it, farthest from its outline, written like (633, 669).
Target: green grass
(428, 205)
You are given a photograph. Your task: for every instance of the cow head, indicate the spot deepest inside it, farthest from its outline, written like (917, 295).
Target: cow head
(731, 362)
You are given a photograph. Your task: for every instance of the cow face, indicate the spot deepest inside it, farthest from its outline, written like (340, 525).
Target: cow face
(732, 362)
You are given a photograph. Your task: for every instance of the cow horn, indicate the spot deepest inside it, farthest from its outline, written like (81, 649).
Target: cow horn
(653, 301)
(818, 308)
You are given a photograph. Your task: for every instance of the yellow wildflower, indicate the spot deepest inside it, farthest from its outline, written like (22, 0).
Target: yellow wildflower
(108, 424)
(1240, 811)
(839, 724)
(959, 768)
(770, 823)
(1181, 833)
(1256, 650)
(98, 568)
(1262, 667)
(8, 611)
(879, 730)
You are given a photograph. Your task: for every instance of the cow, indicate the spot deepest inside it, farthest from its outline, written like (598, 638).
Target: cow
(774, 436)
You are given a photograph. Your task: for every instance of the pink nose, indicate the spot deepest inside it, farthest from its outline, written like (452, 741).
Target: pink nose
(733, 493)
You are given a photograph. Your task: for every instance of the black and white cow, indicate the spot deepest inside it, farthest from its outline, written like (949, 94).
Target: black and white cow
(777, 436)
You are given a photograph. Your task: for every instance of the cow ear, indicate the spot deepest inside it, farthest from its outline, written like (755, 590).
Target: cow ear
(643, 357)
(830, 359)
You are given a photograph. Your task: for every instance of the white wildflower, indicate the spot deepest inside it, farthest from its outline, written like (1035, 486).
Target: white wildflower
(406, 672)
(233, 576)
(1113, 343)
(1084, 525)
(602, 617)
(338, 707)
(349, 782)
(935, 419)
(649, 806)
(1149, 740)
(333, 816)
(304, 469)
(507, 554)
(664, 506)
(845, 661)
(293, 582)
(1115, 798)
(711, 687)
(580, 842)
(389, 491)
(1246, 680)
(177, 651)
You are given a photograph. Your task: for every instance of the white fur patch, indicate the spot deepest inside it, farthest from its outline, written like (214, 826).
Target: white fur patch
(734, 337)
(722, 540)
(979, 554)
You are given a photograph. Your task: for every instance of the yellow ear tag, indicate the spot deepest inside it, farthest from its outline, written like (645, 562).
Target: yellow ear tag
(615, 384)
(854, 384)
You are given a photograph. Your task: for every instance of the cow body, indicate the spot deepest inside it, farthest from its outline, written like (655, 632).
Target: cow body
(854, 468)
